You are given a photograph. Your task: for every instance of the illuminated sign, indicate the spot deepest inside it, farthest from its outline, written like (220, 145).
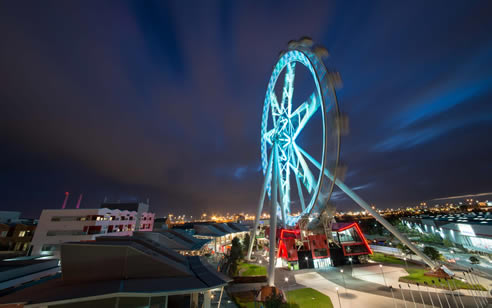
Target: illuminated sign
(466, 230)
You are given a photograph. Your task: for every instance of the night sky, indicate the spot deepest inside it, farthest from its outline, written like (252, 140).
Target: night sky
(149, 99)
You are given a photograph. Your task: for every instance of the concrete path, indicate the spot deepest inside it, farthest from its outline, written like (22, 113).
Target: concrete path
(372, 291)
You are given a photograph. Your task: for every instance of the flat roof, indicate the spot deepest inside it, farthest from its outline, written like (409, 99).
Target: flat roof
(463, 218)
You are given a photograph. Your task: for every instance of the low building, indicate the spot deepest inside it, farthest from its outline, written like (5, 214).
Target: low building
(16, 237)
(472, 231)
(220, 234)
(66, 225)
(124, 272)
(178, 240)
(19, 272)
(145, 219)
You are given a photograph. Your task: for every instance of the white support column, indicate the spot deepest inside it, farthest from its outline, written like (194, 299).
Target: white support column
(273, 219)
(260, 206)
(207, 299)
(220, 298)
(194, 300)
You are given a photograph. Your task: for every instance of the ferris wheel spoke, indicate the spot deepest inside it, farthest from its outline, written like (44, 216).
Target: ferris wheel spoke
(276, 110)
(304, 173)
(326, 172)
(288, 90)
(303, 113)
(269, 136)
(299, 192)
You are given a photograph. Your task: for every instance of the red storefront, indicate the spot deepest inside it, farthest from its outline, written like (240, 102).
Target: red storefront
(308, 250)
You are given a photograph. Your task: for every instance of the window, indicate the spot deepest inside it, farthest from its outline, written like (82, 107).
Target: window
(3, 234)
(320, 252)
(22, 233)
(50, 247)
(64, 232)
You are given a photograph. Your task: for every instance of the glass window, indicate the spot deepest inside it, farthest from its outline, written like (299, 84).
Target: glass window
(349, 235)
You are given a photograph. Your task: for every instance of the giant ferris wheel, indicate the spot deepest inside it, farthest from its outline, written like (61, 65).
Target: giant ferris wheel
(299, 176)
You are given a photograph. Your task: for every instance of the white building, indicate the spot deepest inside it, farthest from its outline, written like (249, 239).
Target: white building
(71, 225)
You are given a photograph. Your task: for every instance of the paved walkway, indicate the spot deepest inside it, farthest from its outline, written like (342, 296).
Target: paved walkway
(371, 290)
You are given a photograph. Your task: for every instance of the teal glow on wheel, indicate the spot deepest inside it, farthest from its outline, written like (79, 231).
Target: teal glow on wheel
(282, 127)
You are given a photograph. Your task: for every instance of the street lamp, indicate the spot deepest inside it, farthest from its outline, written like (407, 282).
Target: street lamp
(406, 265)
(339, 301)
(343, 278)
(382, 273)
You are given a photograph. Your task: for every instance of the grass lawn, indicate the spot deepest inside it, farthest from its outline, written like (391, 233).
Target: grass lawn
(242, 303)
(308, 298)
(300, 298)
(246, 269)
(417, 275)
(379, 257)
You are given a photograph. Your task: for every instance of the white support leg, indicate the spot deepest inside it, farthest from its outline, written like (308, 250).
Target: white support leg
(268, 176)
(273, 219)
(369, 209)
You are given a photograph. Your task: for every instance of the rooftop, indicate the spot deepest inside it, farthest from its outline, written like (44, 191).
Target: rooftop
(119, 265)
(464, 218)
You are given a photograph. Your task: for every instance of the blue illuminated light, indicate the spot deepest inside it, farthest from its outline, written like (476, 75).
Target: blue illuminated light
(288, 125)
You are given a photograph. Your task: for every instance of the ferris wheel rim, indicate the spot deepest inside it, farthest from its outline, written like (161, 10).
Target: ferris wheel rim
(307, 60)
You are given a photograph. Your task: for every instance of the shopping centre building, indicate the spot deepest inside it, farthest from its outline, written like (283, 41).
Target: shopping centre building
(472, 231)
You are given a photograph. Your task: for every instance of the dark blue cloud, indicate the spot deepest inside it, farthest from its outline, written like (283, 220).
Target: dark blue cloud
(163, 99)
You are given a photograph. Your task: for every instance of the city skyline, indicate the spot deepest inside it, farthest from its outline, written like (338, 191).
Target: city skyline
(156, 100)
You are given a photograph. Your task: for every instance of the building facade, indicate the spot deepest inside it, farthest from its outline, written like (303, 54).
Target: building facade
(68, 225)
(472, 231)
(16, 236)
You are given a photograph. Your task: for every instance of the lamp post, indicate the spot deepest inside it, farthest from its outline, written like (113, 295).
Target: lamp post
(286, 279)
(339, 301)
(351, 266)
(405, 259)
(343, 278)
(382, 273)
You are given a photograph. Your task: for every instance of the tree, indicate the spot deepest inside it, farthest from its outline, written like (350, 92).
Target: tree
(432, 253)
(474, 260)
(246, 241)
(447, 243)
(235, 255)
(275, 300)
(404, 249)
